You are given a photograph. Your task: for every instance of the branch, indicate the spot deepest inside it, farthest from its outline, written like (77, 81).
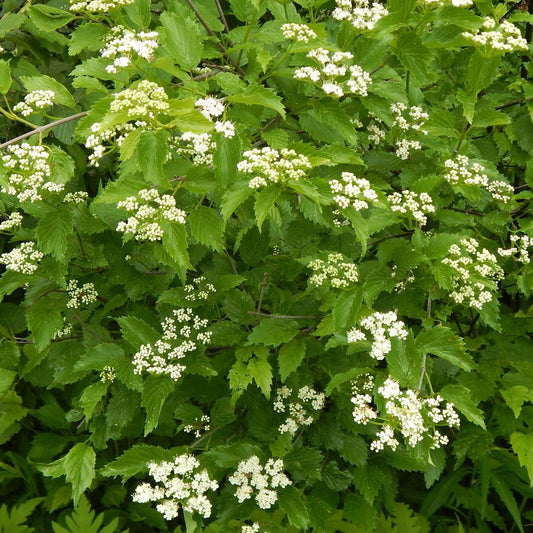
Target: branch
(41, 129)
(222, 16)
(286, 317)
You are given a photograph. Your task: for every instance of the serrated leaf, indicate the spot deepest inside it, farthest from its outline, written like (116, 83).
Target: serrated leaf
(86, 37)
(182, 38)
(137, 331)
(44, 319)
(343, 377)
(347, 307)
(264, 201)
(462, 400)
(413, 55)
(261, 372)
(229, 456)
(53, 230)
(293, 502)
(480, 72)
(5, 76)
(305, 461)
(273, 332)
(506, 496)
(234, 197)
(225, 160)
(79, 469)
(290, 357)
(516, 396)
(134, 460)
(206, 227)
(444, 343)
(42, 82)
(6, 380)
(259, 95)
(175, 243)
(523, 447)
(91, 397)
(155, 391)
(48, 18)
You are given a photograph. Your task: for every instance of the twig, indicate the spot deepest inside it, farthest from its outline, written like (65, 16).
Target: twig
(462, 137)
(286, 317)
(222, 16)
(87, 328)
(260, 302)
(395, 236)
(231, 262)
(41, 129)
(514, 102)
(422, 372)
(465, 211)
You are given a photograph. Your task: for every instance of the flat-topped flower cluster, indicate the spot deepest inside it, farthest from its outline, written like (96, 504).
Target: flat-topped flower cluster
(148, 209)
(178, 482)
(35, 100)
(335, 271)
(24, 259)
(505, 37)
(183, 333)
(361, 14)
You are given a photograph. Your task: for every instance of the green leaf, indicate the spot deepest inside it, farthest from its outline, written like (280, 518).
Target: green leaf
(91, 397)
(234, 197)
(480, 72)
(225, 160)
(133, 461)
(261, 372)
(273, 332)
(182, 37)
(53, 230)
(79, 469)
(413, 55)
(293, 502)
(404, 362)
(6, 380)
(48, 18)
(290, 357)
(347, 307)
(150, 154)
(264, 201)
(13, 520)
(462, 400)
(86, 37)
(10, 21)
(137, 331)
(516, 396)
(206, 227)
(506, 496)
(44, 319)
(85, 520)
(175, 242)
(343, 377)
(444, 343)
(5, 76)
(155, 392)
(42, 82)
(261, 96)
(523, 447)
(230, 455)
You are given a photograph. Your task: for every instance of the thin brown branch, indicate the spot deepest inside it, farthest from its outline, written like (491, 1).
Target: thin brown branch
(395, 236)
(41, 129)
(222, 16)
(465, 211)
(286, 317)
(261, 294)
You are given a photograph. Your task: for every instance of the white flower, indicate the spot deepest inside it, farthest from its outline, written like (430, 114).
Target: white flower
(505, 38)
(300, 409)
(179, 481)
(298, 32)
(34, 100)
(335, 270)
(97, 6)
(13, 222)
(84, 295)
(414, 205)
(362, 14)
(24, 259)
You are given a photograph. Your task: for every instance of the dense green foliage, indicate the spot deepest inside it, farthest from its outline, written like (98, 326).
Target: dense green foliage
(222, 241)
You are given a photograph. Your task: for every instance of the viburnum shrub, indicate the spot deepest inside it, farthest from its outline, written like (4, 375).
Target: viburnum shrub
(265, 266)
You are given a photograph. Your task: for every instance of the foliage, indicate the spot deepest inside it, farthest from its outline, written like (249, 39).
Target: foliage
(272, 254)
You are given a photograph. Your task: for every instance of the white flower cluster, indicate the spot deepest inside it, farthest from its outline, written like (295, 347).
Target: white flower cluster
(412, 204)
(414, 417)
(505, 38)
(199, 289)
(254, 528)
(65, 331)
(211, 108)
(199, 426)
(301, 410)
(519, 249)
(336, 77)
(123, 44)
(455, 3)
(461, 171)
(271, 166)
(84, 295)
(298, 32)
(198, 146)
(142, 104)
(414, 119)
(375, 133)
(77, 197)
(13, 222)
(108, 374)
(148, 209)
(354, 192)
(177, 482)
(98, 6)
(28, 170)
(500, 190)
(253, 479)
(34, 100)
(362, 399)
(476, 271)
(183, 333)
(382, 327)
(362, 14)
(24, 259)
(335, 270)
